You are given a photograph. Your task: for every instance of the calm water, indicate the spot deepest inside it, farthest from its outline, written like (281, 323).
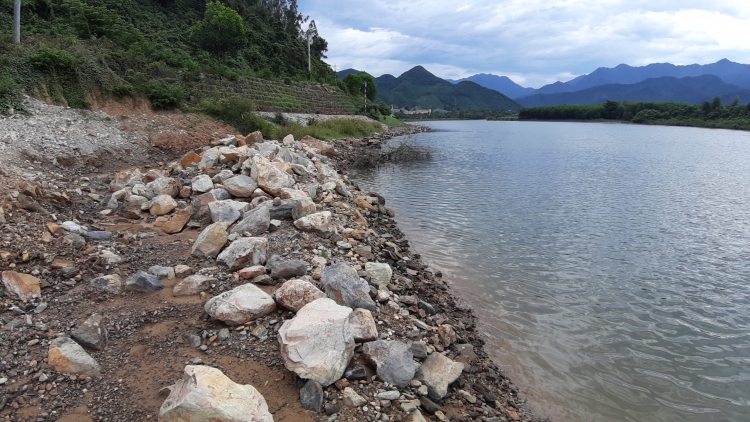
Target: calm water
(610, 264)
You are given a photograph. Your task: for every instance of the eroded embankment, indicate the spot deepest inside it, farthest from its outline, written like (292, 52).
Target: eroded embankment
(238, 247)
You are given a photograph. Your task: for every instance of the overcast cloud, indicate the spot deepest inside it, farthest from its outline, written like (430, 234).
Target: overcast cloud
(534, 42)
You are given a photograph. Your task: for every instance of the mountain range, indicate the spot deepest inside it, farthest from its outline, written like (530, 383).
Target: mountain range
(419, 88)
(689, 89)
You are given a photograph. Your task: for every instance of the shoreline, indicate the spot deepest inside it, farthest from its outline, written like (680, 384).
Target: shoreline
(84, 238)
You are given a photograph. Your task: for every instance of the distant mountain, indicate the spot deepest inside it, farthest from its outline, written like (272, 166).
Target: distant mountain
(499, 83)
(419, 88)
(729, 72)
(692, 90)
(342, 73)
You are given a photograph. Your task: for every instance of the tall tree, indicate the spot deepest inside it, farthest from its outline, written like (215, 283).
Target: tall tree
(17, 22)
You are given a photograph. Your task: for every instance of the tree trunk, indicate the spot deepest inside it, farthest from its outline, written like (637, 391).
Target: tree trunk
(17, 22)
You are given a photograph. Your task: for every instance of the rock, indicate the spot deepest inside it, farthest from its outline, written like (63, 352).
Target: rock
(92, 333)
(202, 183)
(288, 140)
(210, 242)
(363, 325)
(227, 211)
(71, 226)
(317, 343)
(240, 305)
(380, 273)
(447, 335)
(162, 204)
(66, 356)
(255, 222)
(240, 186)
(162, 272)
(295, 294)
(209, 158)
(109, 283)
(224, 334)
(205, 394)
(282, 210)
(324, 148)
(288, 268)
(177, 223)
(358, 373)
(143, 282)
(269, 177)
(262, 279)
(419, 350)
(429, 405)
(97, 235)
(23, 286)
(164, 186)
(352, 399)
(193, 285)
(302, 207)
(311, 396)
(437, 372)
(318, 223)
(189, 159)
(393, 360)
(254, 138)
(342, 284)
(416, 416)
(252, 272)
(388, 395)
(182, 271)
(243, 252)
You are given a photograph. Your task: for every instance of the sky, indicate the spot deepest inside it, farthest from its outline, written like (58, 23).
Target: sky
(534, 42)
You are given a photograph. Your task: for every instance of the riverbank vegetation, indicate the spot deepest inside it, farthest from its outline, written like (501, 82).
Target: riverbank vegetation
(710, 114)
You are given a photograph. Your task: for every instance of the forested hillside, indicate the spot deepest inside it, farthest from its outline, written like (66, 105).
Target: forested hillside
(72, 49)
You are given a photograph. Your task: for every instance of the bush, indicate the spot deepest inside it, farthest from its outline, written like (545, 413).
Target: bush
(237, 112)
(50, 58)
(647, 115)
(221, 30)
(163, 96)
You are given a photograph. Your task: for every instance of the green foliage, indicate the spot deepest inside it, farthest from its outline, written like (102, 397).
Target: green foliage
(329, 129)
(237, 112)
(163, 95)
(50, 58)
(355, 85)
(392, 121)
(221, 30)
(708, 114)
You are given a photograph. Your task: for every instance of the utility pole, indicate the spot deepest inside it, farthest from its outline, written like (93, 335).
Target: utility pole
(17, 22)
(309, 66)
(365, 96)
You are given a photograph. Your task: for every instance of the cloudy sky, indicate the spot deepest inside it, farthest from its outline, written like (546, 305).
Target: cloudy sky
(534, 42)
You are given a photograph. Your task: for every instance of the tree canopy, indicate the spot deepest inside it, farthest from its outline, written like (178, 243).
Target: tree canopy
(355, 84)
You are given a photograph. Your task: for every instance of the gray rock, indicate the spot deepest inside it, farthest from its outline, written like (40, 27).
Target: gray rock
(195, 341)
(342, 284)
(429, 405)
(419, 350)
(388, 395)
(75, 240)
(380, 273)
(317, 343)
(269, 177)
(143, 282)
(193, 285)
(254, 223)
(358, 373)
(109, 283)
(318, 223)
(97, 235)
(162, 272)
(210, 242)
(311, 396)
(288, 268)
(92, 333)
(363, 325)
(223, 334)
(202, 183)
(240, 305)
(240, 186)
(303, 207)
(393, 360)
(352, 399)
(437, 372)
(243, 252)
(220, 194)
(66, 356)
(164, 186)
(227, 211)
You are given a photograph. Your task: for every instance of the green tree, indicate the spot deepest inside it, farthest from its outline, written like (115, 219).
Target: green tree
(706, 107)
(716, 103)
(736, 101)
(221, 30)
(355, 84)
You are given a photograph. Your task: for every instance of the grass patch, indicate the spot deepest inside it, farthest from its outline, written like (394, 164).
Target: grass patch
(392, 121)
(330, 129)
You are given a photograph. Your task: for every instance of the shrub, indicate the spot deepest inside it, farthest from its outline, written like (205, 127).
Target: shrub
(50, 58)
(237, 112)
(221, 29)
(163, 96)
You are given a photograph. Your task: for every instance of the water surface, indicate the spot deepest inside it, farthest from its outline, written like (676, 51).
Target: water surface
(609, 264)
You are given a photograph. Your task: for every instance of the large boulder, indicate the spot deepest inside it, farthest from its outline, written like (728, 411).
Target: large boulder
(269, 177)
(177, 223)
(254, 222)
(210, 242)
(240, 186)
(68, 357)
(205, 394)
(243, 252)
(227, 211)
(240, 305)
(162, 204)
(317, 343)
(437, 372)
(302, 207)
(23, 286)
(164, 186)
(393, 360)
(318, 223)
(295, 294)
(342, 284)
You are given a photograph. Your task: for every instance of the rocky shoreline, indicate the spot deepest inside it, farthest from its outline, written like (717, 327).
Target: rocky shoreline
(248, 269)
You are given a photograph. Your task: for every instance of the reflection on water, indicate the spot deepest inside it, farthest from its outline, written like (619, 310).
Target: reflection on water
(610, 264)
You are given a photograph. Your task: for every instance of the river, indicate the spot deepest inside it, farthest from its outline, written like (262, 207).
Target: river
(609, 264)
